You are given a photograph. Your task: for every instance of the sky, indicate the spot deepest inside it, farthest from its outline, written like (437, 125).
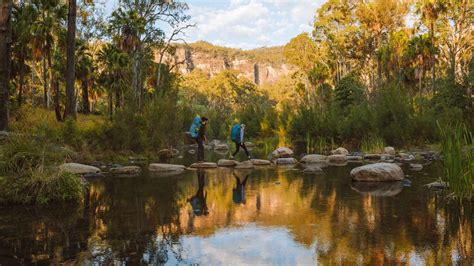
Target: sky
(249, 24)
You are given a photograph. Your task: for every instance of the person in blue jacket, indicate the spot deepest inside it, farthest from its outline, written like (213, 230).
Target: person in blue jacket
(237, 135)
(198, 133)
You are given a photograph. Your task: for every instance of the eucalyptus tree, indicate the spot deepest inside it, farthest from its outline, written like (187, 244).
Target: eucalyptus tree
(135, 28)
(5, 50)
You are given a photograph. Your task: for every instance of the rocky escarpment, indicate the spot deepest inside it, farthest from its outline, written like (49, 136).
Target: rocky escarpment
(262, 66)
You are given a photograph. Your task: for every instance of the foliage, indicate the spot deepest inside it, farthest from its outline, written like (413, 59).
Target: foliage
(458, 159)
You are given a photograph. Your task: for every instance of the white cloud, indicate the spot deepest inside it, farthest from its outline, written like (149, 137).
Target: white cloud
(249, 24)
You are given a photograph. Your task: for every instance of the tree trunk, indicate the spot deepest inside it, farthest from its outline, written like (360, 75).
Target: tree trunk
(5, 53)
(45, 86)
(85, 97)
(433, 60)
(57, 100)
(118, 102)
(70, 109)
(21, 82)
(111, 107)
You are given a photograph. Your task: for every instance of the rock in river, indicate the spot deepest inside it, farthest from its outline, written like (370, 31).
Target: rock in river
(314, 158)
(227, 163)
(377, 172)
(340, 150)
(282, 161)
(78, 169)
(389, 150)
(337, 158)
(282, 152)
(126, 171)
(416, 167)
(260, 162)
(204, 165)
(163, 167)
(221, 147)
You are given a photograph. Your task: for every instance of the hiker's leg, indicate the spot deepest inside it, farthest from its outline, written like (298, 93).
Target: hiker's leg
(200, 153)
(237, 148)
(245, 149)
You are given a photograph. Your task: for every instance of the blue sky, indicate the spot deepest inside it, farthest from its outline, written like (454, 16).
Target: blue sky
(249, 24)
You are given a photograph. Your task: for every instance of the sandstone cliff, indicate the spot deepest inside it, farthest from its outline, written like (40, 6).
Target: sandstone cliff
(263, 65)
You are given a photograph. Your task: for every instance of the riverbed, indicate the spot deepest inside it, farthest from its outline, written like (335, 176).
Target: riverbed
(270, 215)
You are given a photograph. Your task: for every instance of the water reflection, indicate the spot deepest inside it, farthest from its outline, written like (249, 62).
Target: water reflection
(198, 201)
(296, 219)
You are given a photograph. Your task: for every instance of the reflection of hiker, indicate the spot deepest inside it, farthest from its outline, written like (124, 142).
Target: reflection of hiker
(237, 134)
(198, 133)
(238, 193)
(198, 201)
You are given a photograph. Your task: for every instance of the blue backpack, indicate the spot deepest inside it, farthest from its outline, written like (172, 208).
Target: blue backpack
(235, 133)
(195, 126)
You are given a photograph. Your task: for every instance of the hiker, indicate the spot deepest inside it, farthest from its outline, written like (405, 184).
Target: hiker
(198, 133)
(237, 134)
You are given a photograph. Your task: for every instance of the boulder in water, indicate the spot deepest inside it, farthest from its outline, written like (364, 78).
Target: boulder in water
(337, 158)
(227, 163)
(203, 165)
(389, 150)
(126, 171)
(78, 169)
(314, 158)
(163, 167)
(341, 151)
(260, 162)
(378, 172)
(416, 167)
(221, 147)
(286, 161)
(282, 152)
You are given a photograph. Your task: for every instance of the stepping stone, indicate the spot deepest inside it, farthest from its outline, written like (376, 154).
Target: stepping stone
(126, 171)
(337, 158)
(286, 161)
(260, 162)
(163, 167)
(314, 158)
(245, 165)
(204, 165)
(378, 172)
(227, 163)
(78, 169)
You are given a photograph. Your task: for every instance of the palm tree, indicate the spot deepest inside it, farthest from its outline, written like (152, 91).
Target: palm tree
(84, 67)
(70, 109)
(112, 64)
(5, 43)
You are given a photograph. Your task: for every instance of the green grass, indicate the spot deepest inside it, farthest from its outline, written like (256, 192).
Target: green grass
(458, 159)
(373, 144)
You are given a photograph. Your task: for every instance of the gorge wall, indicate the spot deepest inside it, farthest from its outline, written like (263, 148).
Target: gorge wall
(262, 66)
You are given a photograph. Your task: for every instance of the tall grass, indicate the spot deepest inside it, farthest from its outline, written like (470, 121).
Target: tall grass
(458, 159)
(372, 144)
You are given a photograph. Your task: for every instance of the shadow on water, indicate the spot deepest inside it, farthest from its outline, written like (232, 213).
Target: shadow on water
(265, 216)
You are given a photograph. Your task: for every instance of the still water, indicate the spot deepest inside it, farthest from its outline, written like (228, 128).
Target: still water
(265, 216)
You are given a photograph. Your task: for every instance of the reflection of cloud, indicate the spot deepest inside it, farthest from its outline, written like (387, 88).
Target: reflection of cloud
(247, 245)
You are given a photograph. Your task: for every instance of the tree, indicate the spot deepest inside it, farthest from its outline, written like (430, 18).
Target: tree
(5, 49)
(70, 108)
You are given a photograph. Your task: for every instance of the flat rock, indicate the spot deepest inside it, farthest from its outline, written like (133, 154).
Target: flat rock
(163, 167)
(282, 161)
(126, 170)
(437, 185)
(260, 162)
(340, 151)
(337, 158)
(378, 172)
(416, 167)
(378, 189)
(245, 165)
(314, 158)
(204, 165)
(78, 169)
(227, 163)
